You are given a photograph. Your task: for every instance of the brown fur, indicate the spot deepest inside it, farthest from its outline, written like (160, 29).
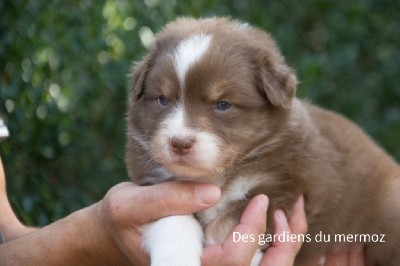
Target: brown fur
(350, 185)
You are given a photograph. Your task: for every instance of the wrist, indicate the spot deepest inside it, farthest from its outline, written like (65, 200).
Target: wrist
(97, 245)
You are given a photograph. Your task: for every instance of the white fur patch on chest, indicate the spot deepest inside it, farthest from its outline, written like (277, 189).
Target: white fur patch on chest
(236, 191)
(188, 52)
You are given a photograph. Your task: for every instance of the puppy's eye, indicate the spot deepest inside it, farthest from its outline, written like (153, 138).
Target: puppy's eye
(223, 105)
(162, 100)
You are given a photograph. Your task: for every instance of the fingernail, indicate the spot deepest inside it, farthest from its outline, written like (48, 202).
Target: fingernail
(281, 217)
(301, 201)
(208, 194)
(264, 202)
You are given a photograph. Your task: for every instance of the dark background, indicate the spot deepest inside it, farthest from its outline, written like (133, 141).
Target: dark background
(64, 67)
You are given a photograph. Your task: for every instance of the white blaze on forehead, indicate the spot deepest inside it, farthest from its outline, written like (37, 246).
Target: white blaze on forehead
(188, 52)
(176, 122)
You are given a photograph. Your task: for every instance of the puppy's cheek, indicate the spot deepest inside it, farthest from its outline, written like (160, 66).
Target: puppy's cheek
(159, 147)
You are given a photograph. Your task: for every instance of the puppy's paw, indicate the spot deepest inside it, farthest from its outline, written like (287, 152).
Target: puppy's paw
(257, 258)
(174, 241)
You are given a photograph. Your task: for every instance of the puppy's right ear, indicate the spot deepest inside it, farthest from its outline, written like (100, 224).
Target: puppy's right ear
(278, 81)
(138, 77)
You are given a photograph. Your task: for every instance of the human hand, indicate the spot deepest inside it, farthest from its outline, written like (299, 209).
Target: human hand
(127, 207)
(253, 221)
(353, 256)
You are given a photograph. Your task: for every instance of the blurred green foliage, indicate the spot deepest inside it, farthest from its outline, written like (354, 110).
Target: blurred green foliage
(63, 81)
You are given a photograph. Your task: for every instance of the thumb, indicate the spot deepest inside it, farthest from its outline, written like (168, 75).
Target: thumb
(149, 203)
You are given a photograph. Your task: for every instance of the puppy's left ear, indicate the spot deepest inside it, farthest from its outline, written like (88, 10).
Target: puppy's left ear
(278, 81)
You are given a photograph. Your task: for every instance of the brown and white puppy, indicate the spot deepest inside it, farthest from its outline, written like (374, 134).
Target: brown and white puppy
(213, 102)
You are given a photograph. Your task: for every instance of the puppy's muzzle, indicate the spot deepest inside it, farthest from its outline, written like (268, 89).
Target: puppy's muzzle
(181, 145)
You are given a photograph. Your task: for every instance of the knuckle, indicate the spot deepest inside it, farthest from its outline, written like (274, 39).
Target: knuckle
(166, 199)
(112, 208)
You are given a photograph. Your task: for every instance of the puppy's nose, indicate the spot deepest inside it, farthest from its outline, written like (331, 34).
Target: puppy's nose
(181, 145)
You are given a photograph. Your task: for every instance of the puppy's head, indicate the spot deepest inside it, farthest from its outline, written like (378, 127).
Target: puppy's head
(209, 94)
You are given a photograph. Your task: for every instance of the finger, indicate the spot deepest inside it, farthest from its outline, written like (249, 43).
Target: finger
(141, 205)
(280, 253)
(336, 259)
(284, 253)
(298, 220)
(353, 256)
(356, 255)
(252, 224)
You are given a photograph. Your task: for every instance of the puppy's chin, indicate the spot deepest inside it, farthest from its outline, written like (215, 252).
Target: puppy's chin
(183, 171)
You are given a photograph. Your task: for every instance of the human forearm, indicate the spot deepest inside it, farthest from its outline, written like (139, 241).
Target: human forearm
(10, 226)
(69, 241)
